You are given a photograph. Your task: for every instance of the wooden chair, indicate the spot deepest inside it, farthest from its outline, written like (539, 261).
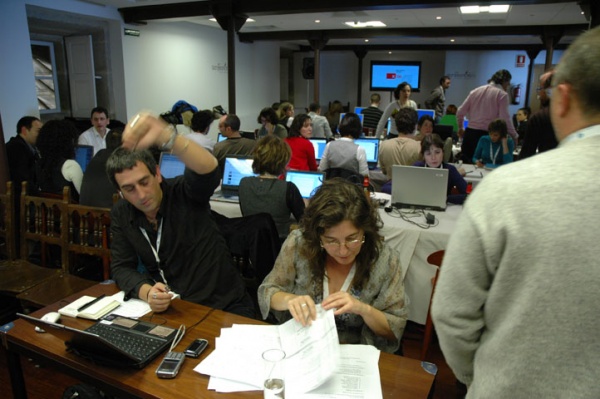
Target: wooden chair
(44, 220)
(7, 224)
(89, 234)
(436, 259)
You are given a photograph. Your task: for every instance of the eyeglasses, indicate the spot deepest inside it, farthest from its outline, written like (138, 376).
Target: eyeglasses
(350, 244)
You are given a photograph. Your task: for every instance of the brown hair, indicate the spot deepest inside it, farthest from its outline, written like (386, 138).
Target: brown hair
(271, 155)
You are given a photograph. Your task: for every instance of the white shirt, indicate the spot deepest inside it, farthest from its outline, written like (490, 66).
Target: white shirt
(202, 140)
(93, 138)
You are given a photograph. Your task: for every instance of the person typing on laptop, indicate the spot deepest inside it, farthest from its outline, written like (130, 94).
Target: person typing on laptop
(167, 227)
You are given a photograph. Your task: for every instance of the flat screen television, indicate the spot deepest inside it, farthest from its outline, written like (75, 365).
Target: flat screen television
(387, 75)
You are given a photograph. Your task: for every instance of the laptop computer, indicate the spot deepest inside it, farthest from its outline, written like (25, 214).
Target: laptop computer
(220, 138)
(419, 187)
(121, 342)
(83, 155)
(307, 182)
(170, 166)
(371, 146)
(360, 116)
(319, 144)
(236, 167)
(421, 112)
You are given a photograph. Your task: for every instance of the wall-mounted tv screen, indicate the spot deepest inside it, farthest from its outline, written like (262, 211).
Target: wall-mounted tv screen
(387, 75)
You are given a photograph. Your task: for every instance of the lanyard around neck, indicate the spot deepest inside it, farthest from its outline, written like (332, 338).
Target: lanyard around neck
(493, 156)
(346, 284)
(155, 250)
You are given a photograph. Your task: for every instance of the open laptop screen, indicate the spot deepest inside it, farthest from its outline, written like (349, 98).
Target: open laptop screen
(236, 168)
(307, 182)
(220, 138)
(421, 112)
(319, 144)
(170, 166)
(371, 146)
(360, 116)
(83, 155)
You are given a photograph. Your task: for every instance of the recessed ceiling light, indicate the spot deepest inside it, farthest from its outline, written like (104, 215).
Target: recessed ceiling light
(366, 40)
(317, 21)
(247, 20)
(452, 40)
(438, 17)
(212, 19)
(389, 52)
(368, 24)
(479, 9)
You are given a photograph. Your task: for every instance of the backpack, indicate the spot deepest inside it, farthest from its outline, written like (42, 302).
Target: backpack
(174, 115)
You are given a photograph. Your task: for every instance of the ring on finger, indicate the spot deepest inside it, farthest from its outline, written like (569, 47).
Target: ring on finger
(303, 305)
(154, 296)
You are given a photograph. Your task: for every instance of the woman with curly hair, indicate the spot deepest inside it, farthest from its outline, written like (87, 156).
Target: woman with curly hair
(338, 259)
(57, 167)
(270, 124)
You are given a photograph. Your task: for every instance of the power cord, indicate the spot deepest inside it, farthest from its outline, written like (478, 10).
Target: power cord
(410, 216)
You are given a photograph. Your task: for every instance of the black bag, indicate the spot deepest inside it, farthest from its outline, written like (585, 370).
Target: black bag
(84, 391)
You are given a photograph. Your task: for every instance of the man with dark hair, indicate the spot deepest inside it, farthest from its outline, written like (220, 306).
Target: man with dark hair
(404, 149)
(229, 126)
(96, 188)
(372, 113)
(22, 157)
(515, 307)
(540, 135)
(167, 226)
(96, 135)
(200, 126)
(437, 98)
(483, 105)
(320, 124)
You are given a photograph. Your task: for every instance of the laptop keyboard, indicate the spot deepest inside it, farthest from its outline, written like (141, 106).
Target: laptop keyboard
(137, 345)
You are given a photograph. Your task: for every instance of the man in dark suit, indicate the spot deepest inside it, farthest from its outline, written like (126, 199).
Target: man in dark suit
(22, 157)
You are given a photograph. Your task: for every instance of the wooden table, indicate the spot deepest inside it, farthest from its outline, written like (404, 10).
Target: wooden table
(400, 377)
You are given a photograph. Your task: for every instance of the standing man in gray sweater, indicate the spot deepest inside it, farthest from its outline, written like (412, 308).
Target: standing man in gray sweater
(516, 305)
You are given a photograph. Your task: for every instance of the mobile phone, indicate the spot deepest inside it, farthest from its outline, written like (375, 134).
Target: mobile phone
(170, 365)
(196, 348)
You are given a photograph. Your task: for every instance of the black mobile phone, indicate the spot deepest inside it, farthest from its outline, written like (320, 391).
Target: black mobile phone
(170, 365)
(196, 348)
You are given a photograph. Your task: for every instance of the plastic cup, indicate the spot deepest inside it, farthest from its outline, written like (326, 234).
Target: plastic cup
(274, 384)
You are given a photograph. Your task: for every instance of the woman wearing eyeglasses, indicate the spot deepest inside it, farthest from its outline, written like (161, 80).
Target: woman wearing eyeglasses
(337, 258)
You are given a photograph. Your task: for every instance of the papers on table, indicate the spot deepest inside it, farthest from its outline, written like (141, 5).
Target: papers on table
(315, 361)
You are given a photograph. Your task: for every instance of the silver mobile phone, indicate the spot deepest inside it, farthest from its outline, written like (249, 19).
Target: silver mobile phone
(170, 365)
(196, 348)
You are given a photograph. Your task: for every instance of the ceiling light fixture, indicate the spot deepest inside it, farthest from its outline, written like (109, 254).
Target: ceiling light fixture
(452, 40)
(368, 24)
(366, 40)
(247, 20)
(389, 52)
(480, 9)
(317, 21)
(438, 17)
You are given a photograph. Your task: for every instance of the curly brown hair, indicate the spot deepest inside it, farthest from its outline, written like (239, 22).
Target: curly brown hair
(335, 201)
(271, 155)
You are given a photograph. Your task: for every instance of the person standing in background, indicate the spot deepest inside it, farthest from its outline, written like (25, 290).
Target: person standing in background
(96, 135)
(320, 124)
(515, 307)
(437, 98)
(372, 114)
(402, 96)
(483, 105)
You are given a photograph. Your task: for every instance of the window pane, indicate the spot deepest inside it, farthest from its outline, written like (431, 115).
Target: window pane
(44, 72)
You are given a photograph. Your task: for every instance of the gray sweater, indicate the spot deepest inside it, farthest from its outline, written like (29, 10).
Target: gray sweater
(517, 303)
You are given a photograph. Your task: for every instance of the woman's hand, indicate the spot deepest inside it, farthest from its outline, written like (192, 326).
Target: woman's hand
(303, 309)
(479, 164)
(344, 303)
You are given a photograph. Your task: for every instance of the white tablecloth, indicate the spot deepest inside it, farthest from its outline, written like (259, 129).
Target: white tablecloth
(413, 243)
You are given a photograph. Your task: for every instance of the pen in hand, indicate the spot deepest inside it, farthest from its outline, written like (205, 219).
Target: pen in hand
(90, 303)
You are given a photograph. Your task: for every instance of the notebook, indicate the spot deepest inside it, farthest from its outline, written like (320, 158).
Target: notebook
(235, 169)
(419, 187)
(83, 155)
(371, 146)
(94, 311)
(319, 144)
(307, 182)
(120, 342)
(170, 166)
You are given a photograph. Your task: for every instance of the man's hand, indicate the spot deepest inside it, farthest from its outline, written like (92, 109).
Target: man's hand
(159, 298)
(143, 131)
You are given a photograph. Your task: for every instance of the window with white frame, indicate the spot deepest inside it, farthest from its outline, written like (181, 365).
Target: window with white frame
(46, 82)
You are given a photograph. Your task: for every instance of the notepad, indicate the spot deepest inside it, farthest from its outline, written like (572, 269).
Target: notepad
(94, 311)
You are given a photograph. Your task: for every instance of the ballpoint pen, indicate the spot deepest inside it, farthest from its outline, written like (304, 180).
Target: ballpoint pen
(90, 303)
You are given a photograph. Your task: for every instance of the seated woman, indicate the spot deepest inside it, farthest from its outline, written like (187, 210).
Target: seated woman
(303, 152)
(343, 153)
(338, 259)
(57, 167)
(285, 114)
(424, 127)
(495, 149)
(266, 193)
(270, 125)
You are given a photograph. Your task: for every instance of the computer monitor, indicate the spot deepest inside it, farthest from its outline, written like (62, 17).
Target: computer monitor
(359, 110)
(421, 112)
(371, 146)
(307, 182)
(319, 144)
(236, 168)
(360, 116)
(465, 123)
(83, 155)
(170, 166)
(220, 138)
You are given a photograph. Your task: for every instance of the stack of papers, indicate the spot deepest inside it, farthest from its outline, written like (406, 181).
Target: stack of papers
(316, 365)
